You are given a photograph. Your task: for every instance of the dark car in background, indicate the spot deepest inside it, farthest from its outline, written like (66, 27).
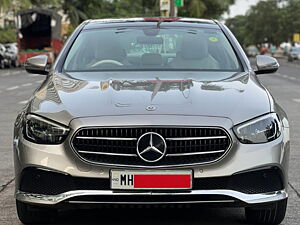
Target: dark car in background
(155, 112)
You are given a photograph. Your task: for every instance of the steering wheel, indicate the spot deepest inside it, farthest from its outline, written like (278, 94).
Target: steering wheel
(107, 61)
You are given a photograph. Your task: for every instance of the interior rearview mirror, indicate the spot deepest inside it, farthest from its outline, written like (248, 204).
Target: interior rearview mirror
(266, 64)
(37, 65)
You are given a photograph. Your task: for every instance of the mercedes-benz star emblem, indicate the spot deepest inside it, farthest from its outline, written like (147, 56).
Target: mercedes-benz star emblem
(151, 147)
(150, 108)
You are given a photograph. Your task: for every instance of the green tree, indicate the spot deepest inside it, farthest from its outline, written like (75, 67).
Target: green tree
(46, 3)
(264, 22)
(205, 8)
(272, 21)
(16, 5)
(79, 10)
(237, 26)
(5, 4)
(290, 21)
(134, 8)
(7, 35)
(75, 10)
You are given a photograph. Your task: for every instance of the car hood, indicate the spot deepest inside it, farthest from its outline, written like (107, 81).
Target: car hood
(237, 96)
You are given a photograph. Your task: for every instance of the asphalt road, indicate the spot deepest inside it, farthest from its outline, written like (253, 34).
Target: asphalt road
(16, 86)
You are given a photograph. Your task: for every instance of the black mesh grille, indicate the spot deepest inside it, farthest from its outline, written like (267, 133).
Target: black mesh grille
(255, 182)
(51, 183)
(214, 142)
(260, 181)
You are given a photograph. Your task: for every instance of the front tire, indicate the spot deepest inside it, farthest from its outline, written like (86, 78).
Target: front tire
(9, 64)
(2, 64)
(271, 214)
(30, 214)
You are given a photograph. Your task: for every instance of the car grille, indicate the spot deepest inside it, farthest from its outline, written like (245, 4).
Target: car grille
(117, 146)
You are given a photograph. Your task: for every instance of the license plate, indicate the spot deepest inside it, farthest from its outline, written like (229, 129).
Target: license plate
(151, 180)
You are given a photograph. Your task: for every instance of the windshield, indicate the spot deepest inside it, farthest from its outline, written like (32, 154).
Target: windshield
(296, 50)
(151, 49)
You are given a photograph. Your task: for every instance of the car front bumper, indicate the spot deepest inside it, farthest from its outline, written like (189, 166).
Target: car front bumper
(240, 158)
(68, 196)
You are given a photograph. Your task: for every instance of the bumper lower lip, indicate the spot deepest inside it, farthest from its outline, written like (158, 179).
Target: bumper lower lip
(55, 199)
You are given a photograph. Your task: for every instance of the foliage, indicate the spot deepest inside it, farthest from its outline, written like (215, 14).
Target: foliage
(5, 3)
(237, 26)
(45, 3)
(79, 10)
(19, 4)
(272, 21)
(74, 10)
(7, 35)
(205, 8)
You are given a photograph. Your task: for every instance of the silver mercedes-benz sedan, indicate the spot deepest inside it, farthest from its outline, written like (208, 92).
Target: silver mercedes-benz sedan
(151, 111)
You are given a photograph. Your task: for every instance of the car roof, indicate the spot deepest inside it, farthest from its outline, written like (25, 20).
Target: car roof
(97, 23)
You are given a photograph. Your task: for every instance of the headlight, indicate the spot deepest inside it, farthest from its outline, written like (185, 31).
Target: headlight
(261, 130)
(42, 131)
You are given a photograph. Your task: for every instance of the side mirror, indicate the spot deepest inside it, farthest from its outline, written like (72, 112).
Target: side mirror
(266, 64)
(37, 64)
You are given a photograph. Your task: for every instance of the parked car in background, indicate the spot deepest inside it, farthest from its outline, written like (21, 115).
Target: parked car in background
(294, 54)
(5, 57)
(252, 51)
(13, 51)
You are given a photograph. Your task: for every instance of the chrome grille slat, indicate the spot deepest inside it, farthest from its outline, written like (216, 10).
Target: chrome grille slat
(107, 138)
(117, 145)
(195, 138)
(106, 153)
(194, 153)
